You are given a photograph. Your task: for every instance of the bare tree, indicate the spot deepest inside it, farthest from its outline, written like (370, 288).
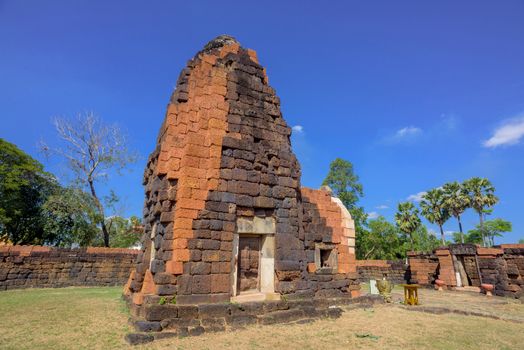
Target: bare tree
(91, 149)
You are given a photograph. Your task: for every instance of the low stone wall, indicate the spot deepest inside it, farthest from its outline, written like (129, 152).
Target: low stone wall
(394, 270)
(37, 266)
(424, 268)
(503, 266)
(162, 317)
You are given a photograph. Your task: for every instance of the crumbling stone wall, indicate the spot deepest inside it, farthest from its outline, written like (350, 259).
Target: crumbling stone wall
(36, 266)
(223, 154)
(503, 266)
(396, 271)
(328, 225)
(423, 267)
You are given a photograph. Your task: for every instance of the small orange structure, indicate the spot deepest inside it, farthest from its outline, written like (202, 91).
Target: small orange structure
(487, 288)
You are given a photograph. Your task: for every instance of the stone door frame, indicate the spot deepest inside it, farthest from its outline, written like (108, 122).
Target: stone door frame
(266, 263)
(265, 229)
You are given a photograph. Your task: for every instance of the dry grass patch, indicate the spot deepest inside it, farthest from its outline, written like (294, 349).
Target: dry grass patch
(96, 318)
(384, 327)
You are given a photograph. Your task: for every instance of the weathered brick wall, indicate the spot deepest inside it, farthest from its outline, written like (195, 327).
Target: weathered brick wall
(36, 266)
(423, 267)
(326, 222)
(503, 266)
(394, 270)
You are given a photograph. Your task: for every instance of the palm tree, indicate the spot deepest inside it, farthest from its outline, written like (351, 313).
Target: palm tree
(434, 210)
(456, 201)
(482, 196)
(407, 219)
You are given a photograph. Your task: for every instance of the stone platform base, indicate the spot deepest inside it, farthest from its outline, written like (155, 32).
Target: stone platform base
(169, 320)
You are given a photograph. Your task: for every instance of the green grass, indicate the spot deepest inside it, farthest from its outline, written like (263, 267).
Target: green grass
(96, 318)
(66, 318)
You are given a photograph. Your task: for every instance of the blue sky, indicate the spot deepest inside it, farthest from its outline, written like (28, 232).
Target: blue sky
(413, 93)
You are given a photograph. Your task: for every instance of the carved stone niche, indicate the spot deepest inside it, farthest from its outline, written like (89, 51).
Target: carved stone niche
(326, 258)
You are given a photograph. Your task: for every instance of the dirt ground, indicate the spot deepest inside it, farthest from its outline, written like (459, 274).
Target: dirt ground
(96, 318)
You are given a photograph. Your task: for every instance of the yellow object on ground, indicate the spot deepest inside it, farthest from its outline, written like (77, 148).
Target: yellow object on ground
(410, 294)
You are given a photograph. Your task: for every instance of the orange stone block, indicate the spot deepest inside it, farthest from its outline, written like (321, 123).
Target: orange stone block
(186, 213)
(355, 293)
(183, 223)
(252, 55)
(148, 285)
(179, 243)
(190, 161)
(138, 298)
(199, 194)
(311, 267)
(181, 255)
(197, 151)
(175, 267)
(182, 233)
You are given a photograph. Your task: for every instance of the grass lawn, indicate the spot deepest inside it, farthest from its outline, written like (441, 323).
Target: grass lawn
(96, 318)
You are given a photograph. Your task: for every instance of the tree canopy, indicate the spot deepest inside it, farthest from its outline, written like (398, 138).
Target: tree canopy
(482, 197)
(435, 210)
(346, 185)
(456, 201)
(91, 149)
(488, 232)
(70, 218)
(408, 220)
(24, 188)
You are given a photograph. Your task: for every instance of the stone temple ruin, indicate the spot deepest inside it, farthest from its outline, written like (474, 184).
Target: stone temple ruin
(225, 216)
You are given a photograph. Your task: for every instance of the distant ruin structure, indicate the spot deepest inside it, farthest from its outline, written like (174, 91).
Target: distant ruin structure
(469, 265)
(225, 216)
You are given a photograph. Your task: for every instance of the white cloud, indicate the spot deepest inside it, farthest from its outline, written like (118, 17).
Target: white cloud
(507, 134)
(373, 215)
(416, 197)
(407, 131)
(382, 207)
(449, 233)
(298, 128)
(406, 134)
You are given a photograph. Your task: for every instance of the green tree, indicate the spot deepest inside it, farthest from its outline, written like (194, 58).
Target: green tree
(70, 217)
(407, 220)
(456, 201)
(24, 188)
(380, 241)
(346, 186)
(482, 196)
(92, 150)
(434, 210)
(490, 230)
(124, 233)
(521, 241)
(424, 240)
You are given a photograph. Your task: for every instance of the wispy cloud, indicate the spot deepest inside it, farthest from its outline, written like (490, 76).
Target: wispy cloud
(403, 135)
(373, 215)
(416, 197)
(298, 128)
(509, 133)
(381, 207)
(408, 131)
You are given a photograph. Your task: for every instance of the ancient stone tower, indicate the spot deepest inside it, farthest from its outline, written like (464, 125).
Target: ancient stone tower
(225, 217)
